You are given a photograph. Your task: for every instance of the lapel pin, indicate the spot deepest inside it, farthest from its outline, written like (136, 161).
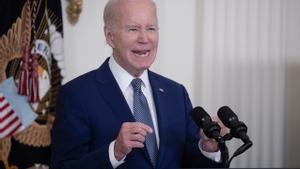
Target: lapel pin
(161, 90)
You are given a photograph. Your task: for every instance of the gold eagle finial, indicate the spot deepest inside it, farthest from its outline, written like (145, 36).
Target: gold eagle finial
(73, 10)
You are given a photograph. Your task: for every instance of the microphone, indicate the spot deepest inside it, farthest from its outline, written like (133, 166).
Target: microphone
(210, 128)
(238, 129)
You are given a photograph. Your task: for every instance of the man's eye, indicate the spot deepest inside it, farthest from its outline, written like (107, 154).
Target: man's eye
(152, 29)
(132, 29)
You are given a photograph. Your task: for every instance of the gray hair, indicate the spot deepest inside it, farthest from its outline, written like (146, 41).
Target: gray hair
(109, 14)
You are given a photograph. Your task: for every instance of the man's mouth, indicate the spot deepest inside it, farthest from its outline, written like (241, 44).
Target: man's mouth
(141, 53)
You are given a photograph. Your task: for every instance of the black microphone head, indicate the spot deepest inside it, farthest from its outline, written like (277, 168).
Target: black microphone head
(238, 129)
(200, 116)
(203, 120)
(227, 116)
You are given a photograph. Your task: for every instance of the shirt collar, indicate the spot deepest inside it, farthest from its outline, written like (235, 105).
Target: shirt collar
(123, 78)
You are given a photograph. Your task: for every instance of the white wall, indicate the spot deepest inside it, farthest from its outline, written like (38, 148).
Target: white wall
(84, 42)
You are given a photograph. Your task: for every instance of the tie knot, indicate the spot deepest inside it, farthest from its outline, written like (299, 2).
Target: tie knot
(136, 84)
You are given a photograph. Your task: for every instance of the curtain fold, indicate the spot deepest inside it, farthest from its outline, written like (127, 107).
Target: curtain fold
(242, 65)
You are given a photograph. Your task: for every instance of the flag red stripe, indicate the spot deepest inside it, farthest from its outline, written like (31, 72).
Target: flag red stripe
(1, 99)
(14, 130)
(4, 107)
(7, 115)
(9, 124)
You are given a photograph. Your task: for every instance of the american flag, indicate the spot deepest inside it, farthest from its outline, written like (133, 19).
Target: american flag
(10, 123)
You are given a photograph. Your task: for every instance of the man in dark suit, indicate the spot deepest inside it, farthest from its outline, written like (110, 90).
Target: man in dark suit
(122, 115)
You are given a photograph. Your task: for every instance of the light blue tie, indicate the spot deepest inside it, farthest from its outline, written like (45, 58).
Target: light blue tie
(142, 114)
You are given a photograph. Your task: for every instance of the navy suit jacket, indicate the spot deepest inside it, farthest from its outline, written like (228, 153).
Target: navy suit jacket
(89, 114)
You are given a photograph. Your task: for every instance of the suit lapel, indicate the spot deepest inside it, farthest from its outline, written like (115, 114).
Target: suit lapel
(159, 96)
(112, 93)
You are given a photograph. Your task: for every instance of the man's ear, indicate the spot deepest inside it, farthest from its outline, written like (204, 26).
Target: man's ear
(109, 36)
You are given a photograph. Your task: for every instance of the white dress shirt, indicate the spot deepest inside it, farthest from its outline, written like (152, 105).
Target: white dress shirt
(124, 79)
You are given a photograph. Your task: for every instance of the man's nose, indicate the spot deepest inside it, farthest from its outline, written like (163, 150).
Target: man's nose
(143, 37)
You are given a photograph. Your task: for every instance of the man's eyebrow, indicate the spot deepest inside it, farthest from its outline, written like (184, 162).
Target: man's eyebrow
(136, 25)
(152, 25)
(132, 26)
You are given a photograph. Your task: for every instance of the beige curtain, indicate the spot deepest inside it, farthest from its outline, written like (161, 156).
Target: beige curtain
(242, 65)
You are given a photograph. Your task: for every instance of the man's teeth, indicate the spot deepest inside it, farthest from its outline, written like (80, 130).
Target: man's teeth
(141, 53)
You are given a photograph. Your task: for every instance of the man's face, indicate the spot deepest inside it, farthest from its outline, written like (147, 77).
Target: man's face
(135, 37)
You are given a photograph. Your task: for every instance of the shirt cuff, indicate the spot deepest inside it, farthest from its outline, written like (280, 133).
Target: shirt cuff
(215, 156)
(114, 162)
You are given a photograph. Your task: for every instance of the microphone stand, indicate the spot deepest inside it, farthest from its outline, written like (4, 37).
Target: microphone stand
(224, 153)
(224, 150)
